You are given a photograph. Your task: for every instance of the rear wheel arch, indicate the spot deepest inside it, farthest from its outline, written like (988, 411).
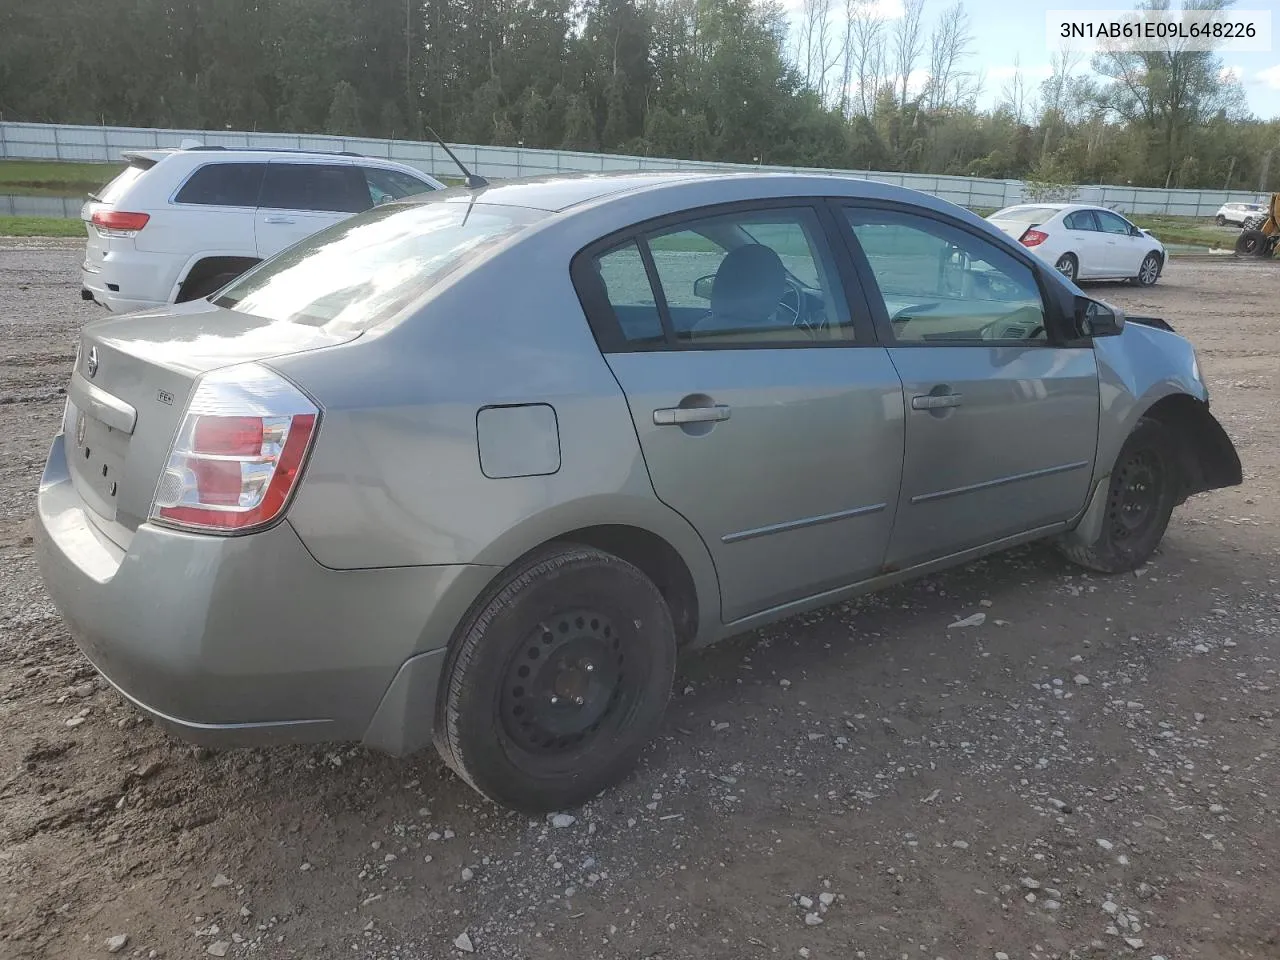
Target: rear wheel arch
(651, 553)
(204, 276)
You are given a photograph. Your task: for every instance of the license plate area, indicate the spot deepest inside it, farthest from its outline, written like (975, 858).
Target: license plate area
(97, 455)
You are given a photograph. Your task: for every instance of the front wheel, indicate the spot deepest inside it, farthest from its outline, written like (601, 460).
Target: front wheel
(1068, 266)
(1143, 490)
(1149, 271)
(558, 681)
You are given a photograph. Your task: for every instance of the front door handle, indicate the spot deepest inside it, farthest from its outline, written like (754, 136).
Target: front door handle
(277, 219)
(934, 401)
(669, 416)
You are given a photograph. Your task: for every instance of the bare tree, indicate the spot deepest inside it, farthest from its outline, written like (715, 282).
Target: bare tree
(864, 53)
(817, 50)
(1056, 96)
(908, 45)
(950, 84)
(1013, 95)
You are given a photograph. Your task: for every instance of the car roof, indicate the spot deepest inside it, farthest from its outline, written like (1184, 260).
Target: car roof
(561, 192)
(221, 154)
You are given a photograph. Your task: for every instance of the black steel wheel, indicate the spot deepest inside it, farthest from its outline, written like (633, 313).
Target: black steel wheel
(567, 684)
(1141, 494)
(557, 680)
(1135, 495)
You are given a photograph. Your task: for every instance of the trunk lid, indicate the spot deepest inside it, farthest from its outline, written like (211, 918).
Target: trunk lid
(1014, 228)
(129, 390)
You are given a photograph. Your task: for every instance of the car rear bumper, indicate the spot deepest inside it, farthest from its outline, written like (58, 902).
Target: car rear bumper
(123, 279)
(233, 641)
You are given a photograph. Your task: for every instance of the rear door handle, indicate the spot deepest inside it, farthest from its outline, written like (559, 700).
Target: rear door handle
(668, 416)
(932, 401)
(278, 219)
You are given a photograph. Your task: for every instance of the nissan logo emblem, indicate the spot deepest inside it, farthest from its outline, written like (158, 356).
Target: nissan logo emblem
(91, 364)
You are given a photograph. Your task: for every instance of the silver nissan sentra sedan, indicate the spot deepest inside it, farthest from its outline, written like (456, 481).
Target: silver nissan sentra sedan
(475, 468)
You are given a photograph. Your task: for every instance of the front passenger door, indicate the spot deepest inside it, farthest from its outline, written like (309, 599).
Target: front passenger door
(1124, 250)
(299, 199)
(1002, 419)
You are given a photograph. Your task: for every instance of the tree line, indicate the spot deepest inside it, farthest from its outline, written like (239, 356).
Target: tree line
(726, 80)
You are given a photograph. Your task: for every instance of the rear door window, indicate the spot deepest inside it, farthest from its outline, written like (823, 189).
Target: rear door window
(223, 185)
(334, 188)
(1081, 220)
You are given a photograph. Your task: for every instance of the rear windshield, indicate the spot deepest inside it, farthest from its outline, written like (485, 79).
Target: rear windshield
(1025, 214)
(364, 269)
(123, 181)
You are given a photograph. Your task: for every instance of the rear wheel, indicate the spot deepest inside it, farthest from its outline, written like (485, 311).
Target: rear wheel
(1140, 499)
(1220, 220)
(1149, 271)
(558, 681)
(1068, 266)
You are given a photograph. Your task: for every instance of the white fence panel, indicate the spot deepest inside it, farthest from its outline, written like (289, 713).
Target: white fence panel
(39, 141)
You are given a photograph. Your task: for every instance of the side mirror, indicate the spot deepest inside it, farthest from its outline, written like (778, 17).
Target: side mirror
(1097, 319)
(702, 287)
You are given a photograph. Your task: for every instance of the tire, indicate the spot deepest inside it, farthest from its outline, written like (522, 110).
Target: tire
(1252, 243)
(1140, 499)
(557, 681)
(1068, 266)
(1220, 220)
(206, 286)
(1148, 271)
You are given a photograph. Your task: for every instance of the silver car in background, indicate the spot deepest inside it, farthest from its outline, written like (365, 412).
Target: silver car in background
(475, 468)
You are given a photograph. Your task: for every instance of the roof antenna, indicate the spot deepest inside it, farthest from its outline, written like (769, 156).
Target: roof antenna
(470, 180)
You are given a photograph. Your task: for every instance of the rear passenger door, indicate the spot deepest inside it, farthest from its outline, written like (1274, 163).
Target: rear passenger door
(300, 198)
(767, 415)
(1087, 242)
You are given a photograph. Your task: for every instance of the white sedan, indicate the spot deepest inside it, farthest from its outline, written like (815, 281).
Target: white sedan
(1084, 242)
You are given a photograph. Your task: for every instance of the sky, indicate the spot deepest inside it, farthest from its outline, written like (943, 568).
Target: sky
(1003, 29)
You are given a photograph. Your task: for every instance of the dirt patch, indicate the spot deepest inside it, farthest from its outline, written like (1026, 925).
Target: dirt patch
(1091, 772)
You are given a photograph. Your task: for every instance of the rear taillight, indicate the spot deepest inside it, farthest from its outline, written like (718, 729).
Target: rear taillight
(118, 223)
(239, 453)
(1033, 238)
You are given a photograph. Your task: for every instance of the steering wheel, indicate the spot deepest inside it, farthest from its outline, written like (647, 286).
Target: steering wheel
(794, 305)
(1022, 317)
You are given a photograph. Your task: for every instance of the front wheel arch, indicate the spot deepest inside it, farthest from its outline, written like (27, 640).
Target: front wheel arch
(1207, 456)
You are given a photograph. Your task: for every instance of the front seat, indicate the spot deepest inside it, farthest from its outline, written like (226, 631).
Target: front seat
(745, 293)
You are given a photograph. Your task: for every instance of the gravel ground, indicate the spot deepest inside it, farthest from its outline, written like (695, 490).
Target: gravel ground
(1091, 772)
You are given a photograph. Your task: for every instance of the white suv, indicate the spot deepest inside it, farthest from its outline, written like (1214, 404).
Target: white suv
(180, 224)
(1237, 213)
